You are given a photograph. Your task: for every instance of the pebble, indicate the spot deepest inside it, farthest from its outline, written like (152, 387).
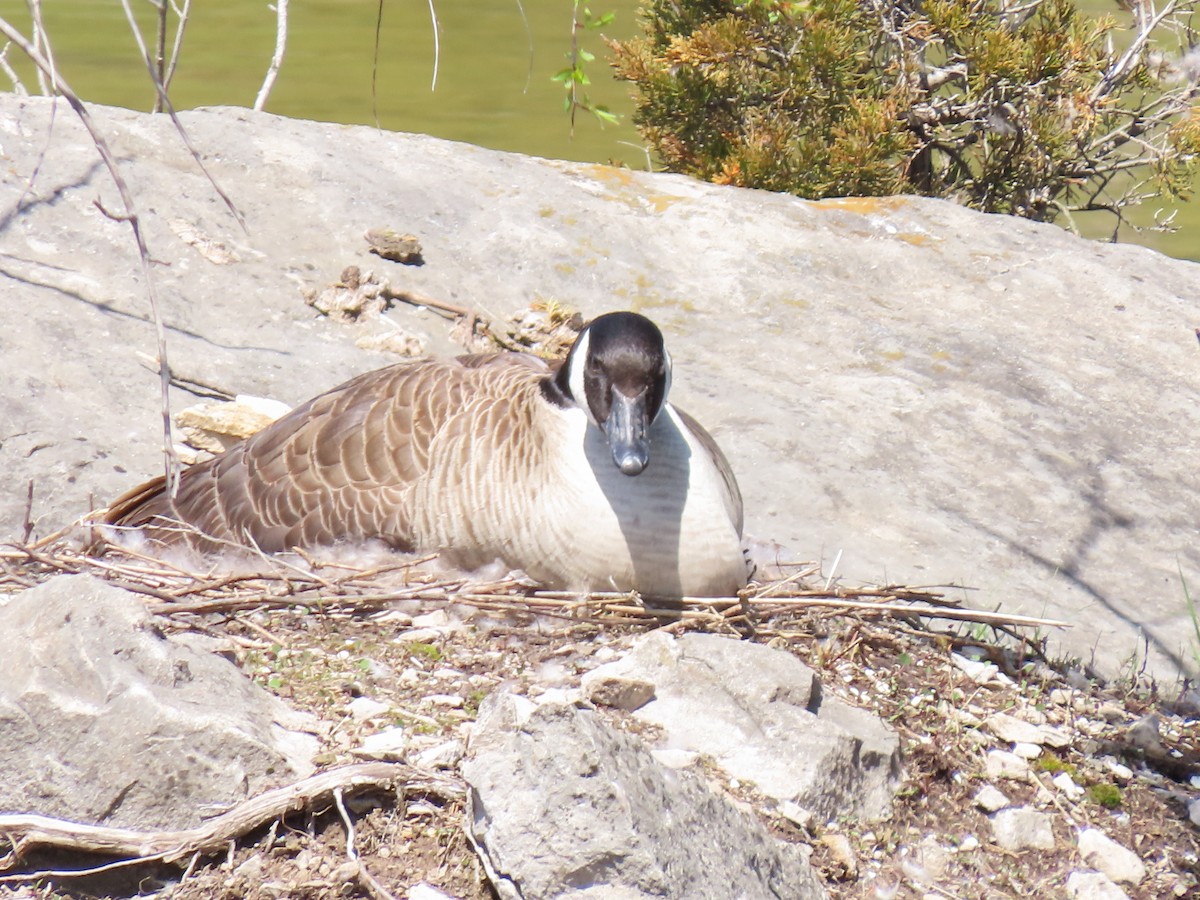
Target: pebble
(980, 672)
(1194, 812)
(363, 708)
(1027, 751)
(1002, 764)
(1101, 852)
(1119, 771)
(1016, 731)
(1067, 785)
(1111, 712)
(795, 813)
(1093, 886)
(443, 756)
(436, 619)
(617, 691)
(389, 745)
(842, 852)
(1144, 733)
(420, 635)
(990, 799)
(422, 890)
(1022, 828)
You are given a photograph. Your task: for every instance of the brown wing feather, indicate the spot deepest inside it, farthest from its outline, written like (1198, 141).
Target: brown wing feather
(341, 466)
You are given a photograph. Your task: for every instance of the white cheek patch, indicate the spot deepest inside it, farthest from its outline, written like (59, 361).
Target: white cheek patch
(578, 363)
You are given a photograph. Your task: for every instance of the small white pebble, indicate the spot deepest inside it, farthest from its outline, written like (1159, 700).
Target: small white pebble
(1119, 771)
(1067, 785)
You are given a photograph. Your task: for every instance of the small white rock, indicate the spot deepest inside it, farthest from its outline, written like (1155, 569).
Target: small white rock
(1194, 812)
(1027, 751)
(363, 708)
(1093, 886)
(1016, 731)
(979, 672)
(969, 844)
(443, 756)
(1059, 697)
(450, 701)
(436, 619)
(991, 799)
(1022, 828)
(424, 891)
(795, 813)
(1067, 785)
(1002, 764)
(1101, 852)
(420, 636)
(1119, 771)
(388, 744)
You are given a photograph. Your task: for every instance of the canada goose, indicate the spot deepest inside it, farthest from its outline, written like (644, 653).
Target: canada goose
(580, 473)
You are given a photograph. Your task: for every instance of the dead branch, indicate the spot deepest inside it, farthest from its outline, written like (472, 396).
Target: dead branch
(161, 93)
(281, 12)
(181, 14)
(44, 64)
(27, 832)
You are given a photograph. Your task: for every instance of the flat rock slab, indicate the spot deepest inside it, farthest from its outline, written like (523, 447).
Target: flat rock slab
(761, 715)
(934, 394)
(104, 720)
(561, 804)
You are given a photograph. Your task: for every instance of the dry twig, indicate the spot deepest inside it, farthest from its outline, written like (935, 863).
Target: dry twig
(27, 832)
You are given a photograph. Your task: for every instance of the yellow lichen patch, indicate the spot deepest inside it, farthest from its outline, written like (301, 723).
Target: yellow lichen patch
(864, 206)
(629, 191)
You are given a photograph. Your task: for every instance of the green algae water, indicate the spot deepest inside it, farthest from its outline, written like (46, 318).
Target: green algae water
(494, 65)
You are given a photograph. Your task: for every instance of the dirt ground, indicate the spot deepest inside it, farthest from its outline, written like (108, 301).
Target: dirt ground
(362, 665)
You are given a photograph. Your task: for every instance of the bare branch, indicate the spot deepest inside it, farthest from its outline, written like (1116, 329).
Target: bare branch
(1121, 69)
(170, 461)
(437, 45)
(170, 108)
(34, 831)
(281, 14)
(182, 14)
(11, 73)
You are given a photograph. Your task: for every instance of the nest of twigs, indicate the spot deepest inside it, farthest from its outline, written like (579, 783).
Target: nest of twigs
(333, 585)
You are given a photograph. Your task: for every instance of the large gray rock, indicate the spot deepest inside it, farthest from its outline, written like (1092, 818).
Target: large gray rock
(938, 395)
(104, 720)
(761, 715)
(563, 805)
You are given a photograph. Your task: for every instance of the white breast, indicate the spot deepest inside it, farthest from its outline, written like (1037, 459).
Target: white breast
(667, 532)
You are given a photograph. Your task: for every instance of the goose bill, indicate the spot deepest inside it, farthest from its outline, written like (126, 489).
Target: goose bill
(626, 432)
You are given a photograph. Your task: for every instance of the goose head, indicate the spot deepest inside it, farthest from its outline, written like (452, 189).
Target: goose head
(618, 372)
